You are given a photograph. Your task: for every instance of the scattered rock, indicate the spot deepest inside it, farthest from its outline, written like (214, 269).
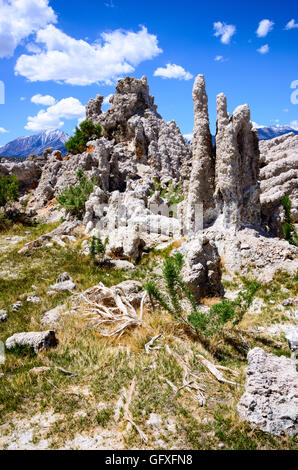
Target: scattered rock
(39, 370)
(289, 302)
(53, 317)
(3, 316)
(16, 306)
(154, 420)
(34, 300)
(270, 401)
(37, 341)
(64, 283)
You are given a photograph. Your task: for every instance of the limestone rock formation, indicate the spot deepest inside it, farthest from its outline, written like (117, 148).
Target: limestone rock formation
(37, 341)
(202, 179)
(279, 177)
(237, 190)
(27, 172)
(270, 400)
(202, 271)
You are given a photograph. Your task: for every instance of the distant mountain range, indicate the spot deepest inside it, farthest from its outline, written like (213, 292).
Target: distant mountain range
(24, 146)
(266, 133)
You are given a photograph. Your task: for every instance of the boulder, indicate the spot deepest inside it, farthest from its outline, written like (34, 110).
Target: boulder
(133, 291)
(36, 341)
(270, 401)
(124, 243)
(202, 271)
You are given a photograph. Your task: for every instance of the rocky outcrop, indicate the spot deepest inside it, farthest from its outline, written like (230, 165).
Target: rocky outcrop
(237, 190)
(144, 145)
(202, 270)
(279, 177)
(270, 400)
(36, 341)
(27, 172)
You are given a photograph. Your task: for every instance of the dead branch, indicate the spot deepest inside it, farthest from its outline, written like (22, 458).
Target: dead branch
(189, 380)
(213, 369)
(149, 346)
(127, 415)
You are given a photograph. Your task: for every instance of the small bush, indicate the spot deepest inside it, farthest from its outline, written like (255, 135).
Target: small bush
(73, 198)
(83, 134)
(97, 247)
(9, 189)
(104, 416)
(288, 227)
(202, 323)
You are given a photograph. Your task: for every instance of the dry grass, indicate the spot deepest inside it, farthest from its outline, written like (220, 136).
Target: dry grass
(89, 403)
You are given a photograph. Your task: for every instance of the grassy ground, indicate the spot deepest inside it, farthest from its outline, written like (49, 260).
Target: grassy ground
(57, 410)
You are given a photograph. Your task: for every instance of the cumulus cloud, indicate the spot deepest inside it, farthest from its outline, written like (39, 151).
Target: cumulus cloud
(19, 19)
(3, 131)
(49, 119)
(173, 71)
(46, 100)
(264, 49)
(226, 31)
(76, 62)
(265, 26)
(291, 24)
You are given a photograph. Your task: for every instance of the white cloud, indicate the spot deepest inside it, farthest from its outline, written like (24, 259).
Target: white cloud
(265, 26)
(264, 49)
(46, 100)
(220, 58)
(294, 125)
(106, 101)
(291, 24)
(67, 108)
(226, 31)
(188, 137)
(3, 131)
(19, 19)
(173, 71)
(23, 98)
(76, 62)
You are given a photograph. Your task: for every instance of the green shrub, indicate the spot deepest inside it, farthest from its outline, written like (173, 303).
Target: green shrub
(97, 247)
(83, 134)
(288, 227)
(176, 290)
(73, 198)
(9, 189)
(202, 323)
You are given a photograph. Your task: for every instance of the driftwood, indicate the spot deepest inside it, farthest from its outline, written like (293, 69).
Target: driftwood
(109, 311)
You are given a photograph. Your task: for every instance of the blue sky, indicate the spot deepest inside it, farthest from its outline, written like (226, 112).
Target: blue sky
(60, 50)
